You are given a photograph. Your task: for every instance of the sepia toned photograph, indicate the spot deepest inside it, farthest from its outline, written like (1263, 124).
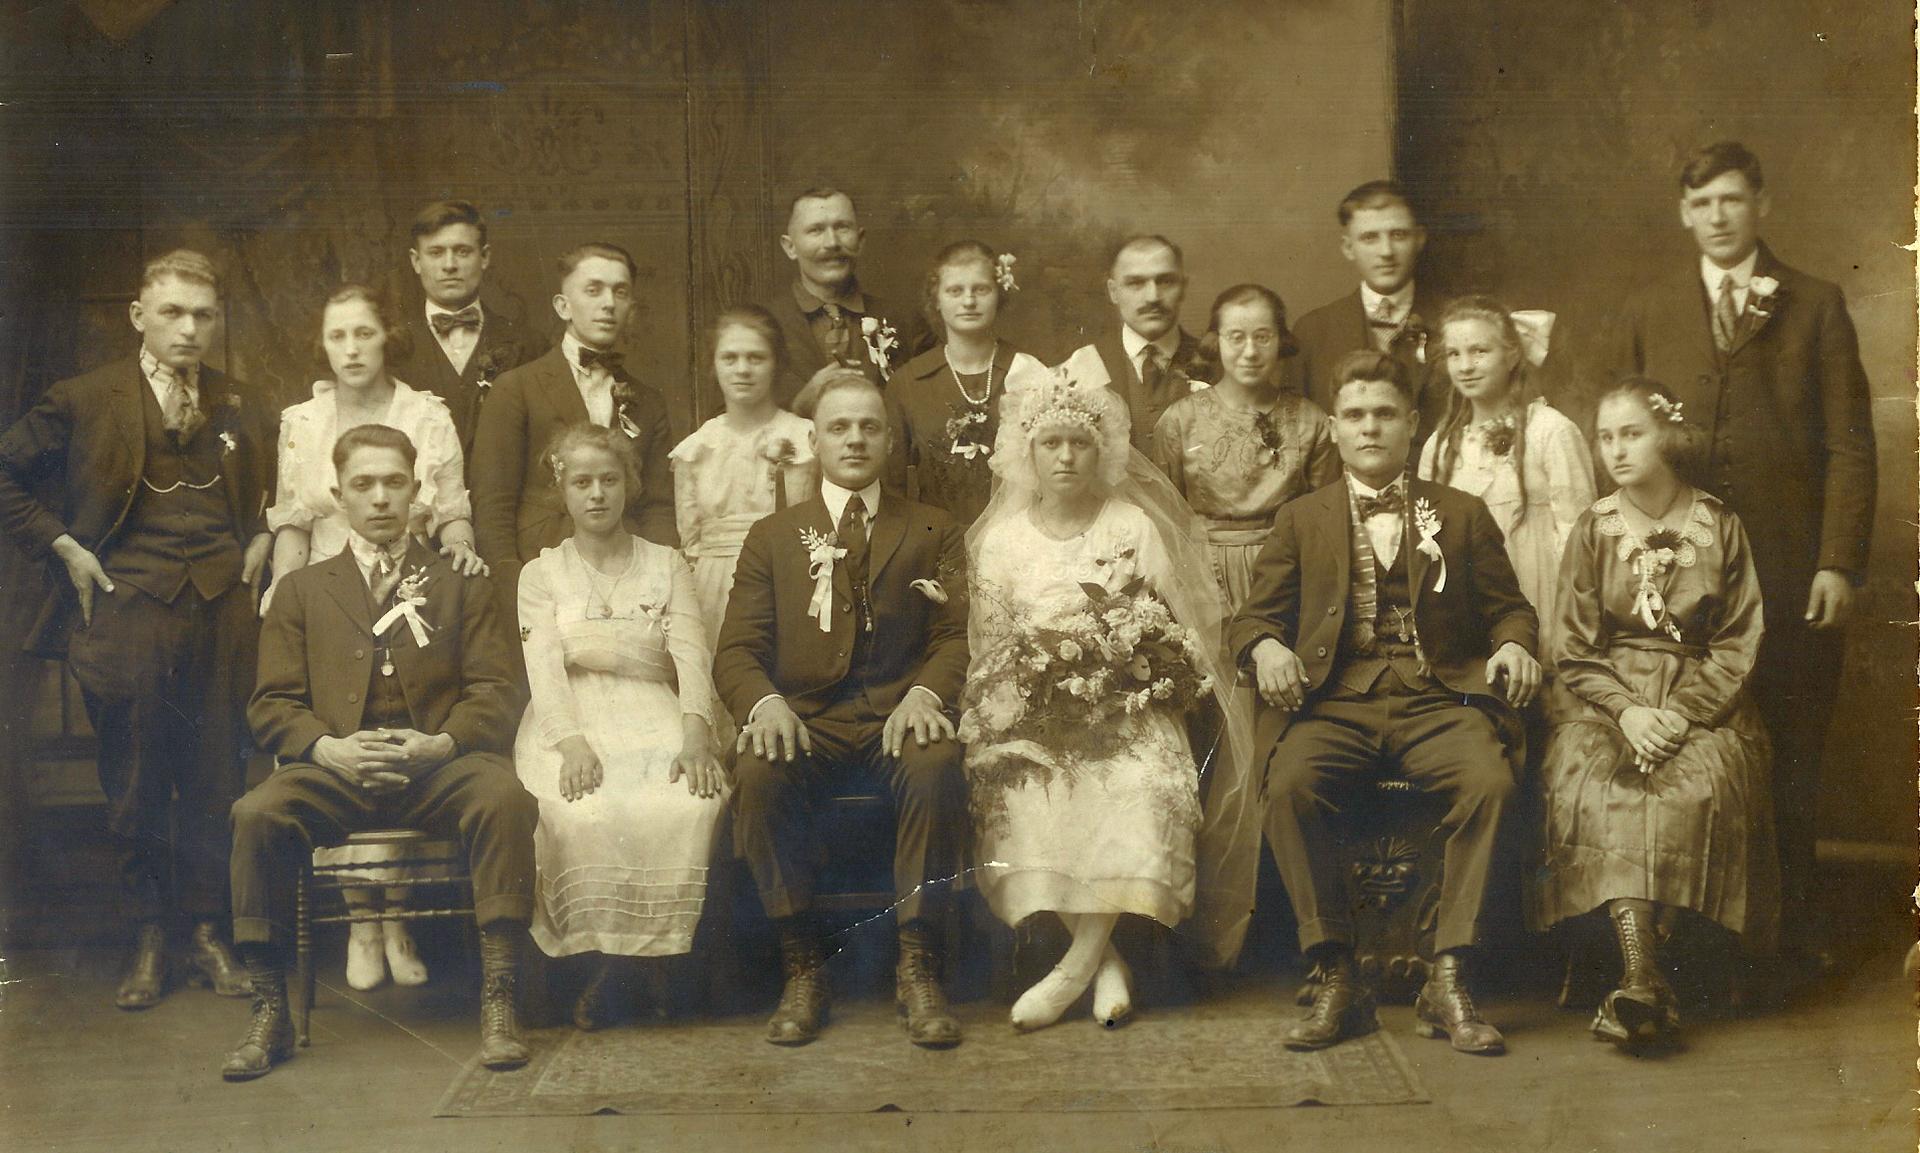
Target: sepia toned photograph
(961, 575)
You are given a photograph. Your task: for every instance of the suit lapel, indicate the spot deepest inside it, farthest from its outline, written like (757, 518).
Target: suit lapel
(883, 539)
(1417, 561)
(1749, 325)
(215, 391)
(349, 590)
(557, 379)
(129, 414)
(1335, 528)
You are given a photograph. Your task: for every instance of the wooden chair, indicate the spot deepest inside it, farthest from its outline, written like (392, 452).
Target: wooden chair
(424, 863)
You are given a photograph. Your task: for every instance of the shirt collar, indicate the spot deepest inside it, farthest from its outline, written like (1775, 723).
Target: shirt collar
(1134, 343)
(1712, 274)
(1359, 488)
(366, 553)
(1401, 301)
(160, 375)
(570, 347)
(853, 300)
(837, 498)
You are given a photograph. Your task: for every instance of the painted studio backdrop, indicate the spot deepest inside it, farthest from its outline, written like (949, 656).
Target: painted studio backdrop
(294, 142)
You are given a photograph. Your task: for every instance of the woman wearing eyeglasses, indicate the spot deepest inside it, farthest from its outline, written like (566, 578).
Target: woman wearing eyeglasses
(1244, 446)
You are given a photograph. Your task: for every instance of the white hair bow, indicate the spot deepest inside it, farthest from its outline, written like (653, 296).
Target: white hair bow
(1535, 326)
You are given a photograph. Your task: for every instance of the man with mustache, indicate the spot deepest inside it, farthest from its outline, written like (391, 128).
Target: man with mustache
(1764, 357)
(1147, 361)
(154, 471)
(460, 346)
(825, 312)
(1389, 312)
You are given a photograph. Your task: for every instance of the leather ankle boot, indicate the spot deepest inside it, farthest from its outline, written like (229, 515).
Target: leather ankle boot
(1445, 1007)
(1342, 1007)
(922, 1004)
(500, 1043)
(145, 981)
(803, 999)
(1642, 1009)
(217, 965)
(269, 1038)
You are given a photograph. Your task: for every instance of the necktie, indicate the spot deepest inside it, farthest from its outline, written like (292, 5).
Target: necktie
(853, 537)
(1725, 317)
(445, 322)
(383, 578)
(1153, 370)
(839, 333)
(1383, 315)
(1371, 506)
(179, 411)
(610, 360)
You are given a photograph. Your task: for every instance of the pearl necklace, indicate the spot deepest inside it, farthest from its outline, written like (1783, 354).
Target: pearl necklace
(967, 396)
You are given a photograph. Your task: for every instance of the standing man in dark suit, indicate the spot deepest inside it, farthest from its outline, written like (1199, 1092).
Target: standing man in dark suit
(844, 646)
(1390, 312)
(158, 467)
(1147, 361)
(386, 690)
(1382, 616)
(517, 509)
(825, 313)
(460, 346)
(1765, 357)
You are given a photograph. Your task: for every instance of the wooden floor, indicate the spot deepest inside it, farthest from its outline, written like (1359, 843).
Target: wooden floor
(1833, 1072)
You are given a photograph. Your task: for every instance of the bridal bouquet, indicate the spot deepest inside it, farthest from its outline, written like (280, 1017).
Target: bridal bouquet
(1062, 684)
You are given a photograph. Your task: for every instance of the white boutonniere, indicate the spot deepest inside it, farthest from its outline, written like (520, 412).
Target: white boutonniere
(882, 341)
(1763, 294)
(408, 596)
(623, 398)
(822, 551)
(1426, 521)
(227, 443)
(933, 590)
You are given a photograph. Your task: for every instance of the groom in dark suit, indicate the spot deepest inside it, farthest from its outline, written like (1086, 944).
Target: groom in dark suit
(1764, 356)
(1391, 311)
(460, 346)
(845, 645)
(1147, 359)
(517, 507)
(386, 690)
(1385, 626)
(143, 486)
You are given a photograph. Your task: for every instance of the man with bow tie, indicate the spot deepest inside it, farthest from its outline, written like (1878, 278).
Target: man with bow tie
(386, 689)
(1389, 312)
(843, 651)
(518, 509)
(460, 346)
(156, 468)
(1764, 357)
(1147, 360)
(1385, 628)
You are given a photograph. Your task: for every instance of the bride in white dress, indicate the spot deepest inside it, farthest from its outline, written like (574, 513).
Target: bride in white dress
(1093, 824)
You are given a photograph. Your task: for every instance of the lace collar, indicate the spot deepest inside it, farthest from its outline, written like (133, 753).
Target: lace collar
(1695, 530)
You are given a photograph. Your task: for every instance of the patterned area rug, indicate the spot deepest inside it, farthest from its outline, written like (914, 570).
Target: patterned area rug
(1203, 1057)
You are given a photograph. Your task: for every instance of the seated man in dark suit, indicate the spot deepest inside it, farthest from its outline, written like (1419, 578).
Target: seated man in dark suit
(1391, 311)
(824, 313)
(516, 509)
(1383, 612)
(460, 346)
(844, 644)
(386, 689)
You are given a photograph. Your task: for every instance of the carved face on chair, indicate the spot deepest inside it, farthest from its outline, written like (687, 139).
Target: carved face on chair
(1384, 872)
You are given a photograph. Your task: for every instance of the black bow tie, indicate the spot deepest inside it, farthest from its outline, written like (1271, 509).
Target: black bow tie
(610, 359)
(1388, 501)
(445, 322)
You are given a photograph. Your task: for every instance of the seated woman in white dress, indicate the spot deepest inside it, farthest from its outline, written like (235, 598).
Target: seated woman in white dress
(617, 742)
(752, 459)
(359, 334)
(1094, 627)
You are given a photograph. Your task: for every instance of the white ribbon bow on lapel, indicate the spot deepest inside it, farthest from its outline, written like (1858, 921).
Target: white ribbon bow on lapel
(822, 551)
(408, 609)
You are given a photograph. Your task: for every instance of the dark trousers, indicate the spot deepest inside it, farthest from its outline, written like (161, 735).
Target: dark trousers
(773, 810)
(475, 799)
(166, 688)
(1794, 686)
(1438, 744)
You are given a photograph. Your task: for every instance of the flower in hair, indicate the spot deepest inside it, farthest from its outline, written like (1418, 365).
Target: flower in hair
(1669, 410)
(1003, 272)
(559, 469)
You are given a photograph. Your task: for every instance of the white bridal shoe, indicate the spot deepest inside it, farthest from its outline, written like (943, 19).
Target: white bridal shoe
(366, 955)
(403, 958)
(1112, 989)
(1050, 996)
